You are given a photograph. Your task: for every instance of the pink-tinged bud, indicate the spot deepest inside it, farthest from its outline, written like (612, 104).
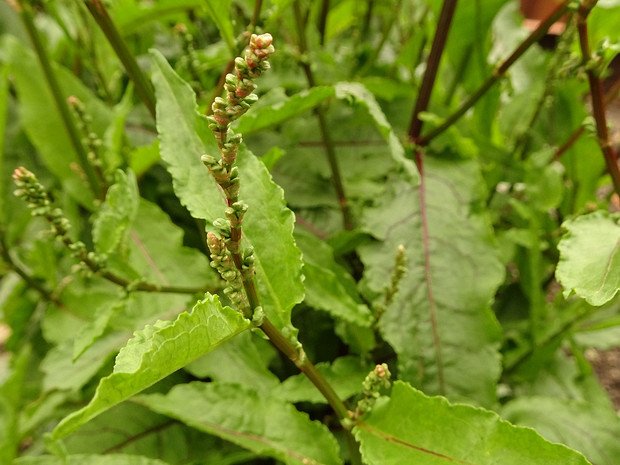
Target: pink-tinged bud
(73, 100)
(264, 40)
(214, 244)
(380, 371)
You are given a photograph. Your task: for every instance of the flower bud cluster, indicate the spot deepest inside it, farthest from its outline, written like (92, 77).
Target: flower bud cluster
(222, 261)
(90, 140)
(400, 269)
(376, 381)
(239, 95)
(30, 190)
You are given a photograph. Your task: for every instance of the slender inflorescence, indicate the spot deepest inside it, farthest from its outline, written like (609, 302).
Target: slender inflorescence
(235, 265)
(30, 190)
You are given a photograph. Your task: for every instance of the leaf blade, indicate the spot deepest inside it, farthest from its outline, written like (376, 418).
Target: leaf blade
(157, 351)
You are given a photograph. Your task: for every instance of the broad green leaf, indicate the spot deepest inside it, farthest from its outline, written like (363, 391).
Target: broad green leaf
(129, 428)
(157, 351)
(439, 323)
(409, 427)
(117, 213)
(156, 251)
(328, 285)
(239, 361)
(62, 372)
(262, 424)
(11, 392)
(357, 93)
(41, 119)
(590, 429)
(589, 261)
(263, 117)
(220, 14)
(84, 459)
(130, 16)
(268, 224)
(345, 375)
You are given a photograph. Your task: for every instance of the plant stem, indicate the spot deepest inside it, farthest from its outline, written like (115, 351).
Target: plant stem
(330, 152)
(26, 14)
(598, 100)
(323, 21)
(432, 65)
(498, 73)
(143, 85)
(26, 277)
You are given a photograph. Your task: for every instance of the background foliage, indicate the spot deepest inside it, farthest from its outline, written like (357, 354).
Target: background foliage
(480, 264)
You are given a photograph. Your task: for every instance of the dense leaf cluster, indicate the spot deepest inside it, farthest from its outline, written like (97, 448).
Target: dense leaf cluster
(423, 206)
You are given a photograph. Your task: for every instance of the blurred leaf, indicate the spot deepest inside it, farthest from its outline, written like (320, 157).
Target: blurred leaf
(131, 15)
(345, 375)
(11, 392)
(237, 361)
(37, 105)
(591, 429)
(111, 459)
(440, 323)
(262, 424)
(130, 428)
(328, 285)
(263, 117)
(268, 224)
(357, 93)
(117, 213)
(220, 14)
(434, 432)
(157, 351)
(589, 261)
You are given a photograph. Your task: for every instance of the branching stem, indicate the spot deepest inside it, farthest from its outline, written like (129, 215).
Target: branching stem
(498, 73)
(432, 65)
(143, 85)
(598, 99)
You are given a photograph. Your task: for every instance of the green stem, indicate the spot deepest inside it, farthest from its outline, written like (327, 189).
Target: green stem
(598, 99)
(143, 86)
(322, 24)
(432, 65)
(498, 72)
(26, 277)
(60, 101)
(330, 151)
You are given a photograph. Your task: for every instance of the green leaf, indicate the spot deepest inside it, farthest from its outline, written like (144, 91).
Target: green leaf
(268, 224)
(328, 285)
(110, 459)
(42, 122)
(62, 372)
(345, 375)
(11, 392)
(589, 261)
(157, 351)
(130, 16)
(592, 430)
(440, 323)
(220, 14)
(434, 432)
(117, 213)
(129, 428)
(262, 117)
(357, 93)
(156, 251)
(262, 424)
(238, 361)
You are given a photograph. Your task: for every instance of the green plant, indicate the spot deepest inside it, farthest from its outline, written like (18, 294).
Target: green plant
(167, 302)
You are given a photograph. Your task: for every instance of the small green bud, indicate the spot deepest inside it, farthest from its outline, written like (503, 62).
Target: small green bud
(223, 227)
